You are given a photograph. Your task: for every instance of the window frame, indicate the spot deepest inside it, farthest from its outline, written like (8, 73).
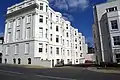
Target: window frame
(41, 6)
(114, 24)
(41, 18)
(40, 47)
(116, 40)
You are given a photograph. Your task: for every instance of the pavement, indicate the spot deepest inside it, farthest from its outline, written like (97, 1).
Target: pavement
(113, 71)
(63, 73)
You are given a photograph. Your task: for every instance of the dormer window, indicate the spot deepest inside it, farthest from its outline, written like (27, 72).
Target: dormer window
(111, 9)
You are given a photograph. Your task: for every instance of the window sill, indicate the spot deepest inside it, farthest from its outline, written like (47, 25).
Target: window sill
(26, 53)
(18, 25)
(16, 53)
(114, 30)
(6, 55)
(28, 23)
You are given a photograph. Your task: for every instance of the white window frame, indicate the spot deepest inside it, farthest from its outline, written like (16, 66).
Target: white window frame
(51, 50)
(41, 6)
(51, 37)
(67, 43)
(40, 32)
(68, 52)
(57, 38)
(17, 49)
(46, 35)
(41, 19)
(18, 22)
(28, 19)
(28, 33)
(17, 34)
(7, 50)
(57, 50)
(27, 48)
(9, 37)
(40, 46)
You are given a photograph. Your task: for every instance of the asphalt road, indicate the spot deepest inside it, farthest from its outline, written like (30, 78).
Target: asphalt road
(71, 73)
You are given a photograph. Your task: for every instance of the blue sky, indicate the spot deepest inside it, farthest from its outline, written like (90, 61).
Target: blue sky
(79, 12)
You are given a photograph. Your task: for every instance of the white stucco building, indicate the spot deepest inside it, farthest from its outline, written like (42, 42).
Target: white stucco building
(36, 34)
(106, 31)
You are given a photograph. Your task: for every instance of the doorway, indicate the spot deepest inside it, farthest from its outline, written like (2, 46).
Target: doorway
(19, 61)
(29, 60)
(53, 63)
(0, 57)
(5, 61)
(14, 61)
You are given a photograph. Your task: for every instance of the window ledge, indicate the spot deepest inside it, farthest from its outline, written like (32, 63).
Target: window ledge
(16, 53)
(115, 30)
(6, 55)
(26, 53)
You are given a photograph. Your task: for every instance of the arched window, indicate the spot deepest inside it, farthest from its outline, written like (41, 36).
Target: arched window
(19, 61)
(29, 60)
(14, 61)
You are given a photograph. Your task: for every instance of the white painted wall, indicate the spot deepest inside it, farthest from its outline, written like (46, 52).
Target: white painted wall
(34, 39)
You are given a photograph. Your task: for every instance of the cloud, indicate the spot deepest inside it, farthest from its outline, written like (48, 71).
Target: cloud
(90, 41)
(59, 4)
(111, 0)
(68, 17)
(69, 4)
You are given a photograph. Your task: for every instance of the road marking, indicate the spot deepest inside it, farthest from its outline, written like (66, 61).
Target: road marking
(11, 72)
(55, 77)
(38, 75)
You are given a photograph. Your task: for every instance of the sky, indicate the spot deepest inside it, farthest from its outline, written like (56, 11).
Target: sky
(78, 12)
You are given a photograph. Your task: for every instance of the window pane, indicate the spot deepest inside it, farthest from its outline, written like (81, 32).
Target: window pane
(57, 38)
(57, 50)
(57, 28)
(114, 24)
(116, 40)
(50, 37)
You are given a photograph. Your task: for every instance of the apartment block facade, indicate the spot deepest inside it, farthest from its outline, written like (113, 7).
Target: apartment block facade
(106, 32)
(35, 34)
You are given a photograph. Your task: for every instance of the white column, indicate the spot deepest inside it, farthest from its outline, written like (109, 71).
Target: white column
(23, 28)
(14, 28)
(6, 30)
(33, 26)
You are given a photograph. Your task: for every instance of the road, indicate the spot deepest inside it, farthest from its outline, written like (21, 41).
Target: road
(69, 73)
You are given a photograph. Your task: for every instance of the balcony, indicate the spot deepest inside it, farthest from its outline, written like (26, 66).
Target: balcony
(113, 14)
(21, 8)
